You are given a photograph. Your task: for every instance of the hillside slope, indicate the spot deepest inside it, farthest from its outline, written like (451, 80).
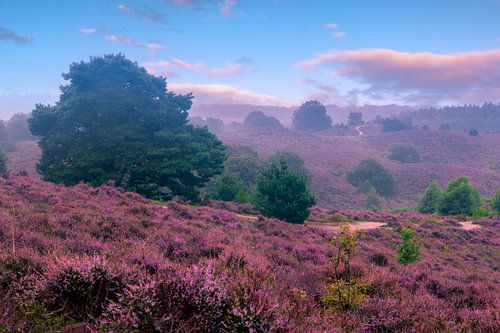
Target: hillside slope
(80, 259)
(445, 155)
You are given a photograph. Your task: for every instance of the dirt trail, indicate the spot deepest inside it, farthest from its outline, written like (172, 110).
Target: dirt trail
(358, 129)
(361, 225)
(468, 225)
(246, 217)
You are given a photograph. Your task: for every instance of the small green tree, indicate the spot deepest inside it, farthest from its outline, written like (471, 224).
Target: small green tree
(429, 202)
(244, 167)
(294, 161)
(372, 200)
(459, 198)
(404, 153)
(473, 132)
(3, 164)
(409, 251)
(370, 173)
(356, 118)
(283, 194)
(311, 116)
(495, 202)
(225, 187)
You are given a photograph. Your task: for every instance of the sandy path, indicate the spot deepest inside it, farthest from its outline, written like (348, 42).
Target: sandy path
(469, 226)
(362, 225)
(358, 129)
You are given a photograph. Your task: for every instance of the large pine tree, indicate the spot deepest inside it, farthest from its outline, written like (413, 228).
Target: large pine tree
(115, 121)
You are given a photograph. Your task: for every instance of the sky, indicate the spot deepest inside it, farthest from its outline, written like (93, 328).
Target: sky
(262, 52)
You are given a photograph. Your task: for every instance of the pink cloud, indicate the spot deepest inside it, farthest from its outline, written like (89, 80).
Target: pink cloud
(130, 41)
(88, 31)
(200, 68)
(424, 76)
(224, 94)
(331, 25)
(339, 34)
(142, 14)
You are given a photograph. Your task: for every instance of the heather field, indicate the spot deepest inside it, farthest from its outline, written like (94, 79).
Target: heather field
(86, 259)
(329, 156)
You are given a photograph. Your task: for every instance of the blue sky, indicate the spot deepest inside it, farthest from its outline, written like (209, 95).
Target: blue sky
(262, 51)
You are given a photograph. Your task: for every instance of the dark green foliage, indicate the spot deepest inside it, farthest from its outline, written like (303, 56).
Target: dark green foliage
(283, 194)
(409, 251)
(372, 200)
(239, 150)
(495, 202)
(114, 121)
(3, 163)
(404, 153)
(311, 116)
(214, 125)
(294, 162)
(259, 119)
(444, 127)
(459, 198)
(394, 125)
(429, 202)
(473, 132)
(370, 173)
(225, 187)
(356, 118)
(18, 127)
(244, 167)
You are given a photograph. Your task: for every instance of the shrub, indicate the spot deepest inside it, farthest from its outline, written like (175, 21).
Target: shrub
(394, 125)
(283, 194)
(311, 116)
(444, 127)
(3, 163)
(409, 251)
(244, 167)
(259, 119)
(479, 212)
(429, 202)
(404, 153)
(473, 132)
(370, 173)
(459, 198)
(495, 202)
(224, 187)
(294, 161)
(379, 259)
(356, 118)
(214, 125)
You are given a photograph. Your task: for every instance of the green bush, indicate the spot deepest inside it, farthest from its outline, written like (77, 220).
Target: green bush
(311, 116)
(283, 194)
(294, 161)
(3, 163)
(495, 202)
(370, 173)
(479, 212)
(409, 251)
(429, 202)
(372, 202)
(459, 198)
(224, 187)
(394, 125)
(244, 167)
(404, 153)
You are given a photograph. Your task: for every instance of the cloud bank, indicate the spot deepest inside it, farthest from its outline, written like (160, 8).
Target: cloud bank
(166, 68)
(422, 77)
(9, 35)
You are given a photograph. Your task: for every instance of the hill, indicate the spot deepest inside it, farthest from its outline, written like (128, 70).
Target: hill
(329, 156)
(80, 258)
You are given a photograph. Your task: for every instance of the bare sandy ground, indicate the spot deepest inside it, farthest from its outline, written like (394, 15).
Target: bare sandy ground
(469, 226)
(361, 225)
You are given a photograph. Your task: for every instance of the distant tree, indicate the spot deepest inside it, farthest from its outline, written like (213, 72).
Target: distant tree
(370, 173)
(283, 194)
(495, 202)
(444, 127)
(18, 128)
(372, 202)
(311, 116)
(356, 118)
(394, 125)
(404, 153)
(473, 132)
(259, 119)
(294, 162)
(244, 167)
(115, 121)
(425, 127)
(6, 143)
(3, 164)
(459, 198)
(214, 125)
(429, 202)
(240, 150)
(224, 187)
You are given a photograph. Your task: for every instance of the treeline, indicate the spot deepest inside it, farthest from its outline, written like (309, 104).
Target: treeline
(484, 118)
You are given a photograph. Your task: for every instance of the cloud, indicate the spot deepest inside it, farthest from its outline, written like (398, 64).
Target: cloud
(225, 6)
(12, 36)
(88, 31)
(167, 66)
(130, 41)
(146, 15)
(325, 93)
(424, 77)
(331, 25)
(339, 34)
(224, 94)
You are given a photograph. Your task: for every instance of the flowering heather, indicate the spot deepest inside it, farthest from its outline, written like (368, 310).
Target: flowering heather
(88, 259)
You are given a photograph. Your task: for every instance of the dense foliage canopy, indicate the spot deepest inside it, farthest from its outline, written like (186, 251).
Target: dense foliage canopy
(259, 119)
(294, 162)
(311, 116)
(283, 194)
(394, 125)
(404, 153)
(355, 118)
(114, 121)
(370, 173)
(459, 197)
(429, 203)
